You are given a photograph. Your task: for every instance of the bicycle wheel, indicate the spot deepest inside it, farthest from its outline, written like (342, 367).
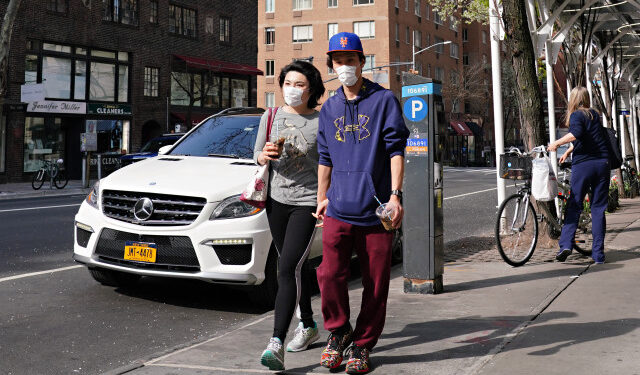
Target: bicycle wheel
(61, 179)
(516, 230)
(38, 179)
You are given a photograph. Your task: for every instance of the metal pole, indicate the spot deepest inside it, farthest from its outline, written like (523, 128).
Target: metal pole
(551, 106)
(496, 80)
(99, 167)
(587, 68)
(413, 51)
(635, 131)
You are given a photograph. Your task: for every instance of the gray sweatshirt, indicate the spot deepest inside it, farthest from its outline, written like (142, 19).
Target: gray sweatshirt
(294, 177)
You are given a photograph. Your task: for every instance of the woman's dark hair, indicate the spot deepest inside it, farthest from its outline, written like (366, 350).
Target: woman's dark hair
(330, 61)
(316, 87)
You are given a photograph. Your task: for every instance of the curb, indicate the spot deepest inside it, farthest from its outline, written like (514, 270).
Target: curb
(44, 193)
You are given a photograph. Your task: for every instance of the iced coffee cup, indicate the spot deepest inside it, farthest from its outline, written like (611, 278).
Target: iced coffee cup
(278, 141)
(385, 213)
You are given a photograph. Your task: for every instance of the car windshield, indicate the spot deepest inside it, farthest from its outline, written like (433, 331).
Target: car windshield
(231, 136)
(155, 144)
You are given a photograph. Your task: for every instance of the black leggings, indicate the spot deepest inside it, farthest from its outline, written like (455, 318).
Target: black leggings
(291, 229)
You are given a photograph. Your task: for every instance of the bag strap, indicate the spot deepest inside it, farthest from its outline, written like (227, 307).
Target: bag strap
(271, 117)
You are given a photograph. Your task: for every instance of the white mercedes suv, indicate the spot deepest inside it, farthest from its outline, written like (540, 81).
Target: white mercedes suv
(178, 214)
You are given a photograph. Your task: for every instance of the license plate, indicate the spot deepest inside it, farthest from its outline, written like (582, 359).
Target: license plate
(140, 251)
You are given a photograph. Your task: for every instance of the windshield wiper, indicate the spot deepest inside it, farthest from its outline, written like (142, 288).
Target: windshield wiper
(232, 156)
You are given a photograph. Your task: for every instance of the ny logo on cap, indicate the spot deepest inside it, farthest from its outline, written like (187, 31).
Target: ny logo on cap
(343, 41)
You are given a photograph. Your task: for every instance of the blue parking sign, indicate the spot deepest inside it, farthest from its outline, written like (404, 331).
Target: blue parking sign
(415, 109)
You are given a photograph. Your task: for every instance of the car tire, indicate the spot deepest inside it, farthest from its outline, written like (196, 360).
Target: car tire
(113, 278)
(264, 295)
(396, 247)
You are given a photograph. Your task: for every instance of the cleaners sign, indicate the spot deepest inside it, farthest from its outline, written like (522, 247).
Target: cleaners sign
(109, 109)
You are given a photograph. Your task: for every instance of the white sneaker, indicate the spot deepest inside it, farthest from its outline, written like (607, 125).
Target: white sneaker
(273, 355)
(303, 337)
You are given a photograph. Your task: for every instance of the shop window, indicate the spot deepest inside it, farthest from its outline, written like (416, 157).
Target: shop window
(150, 81)
(43, 140)
(212, 92)
(111, 136)
(58, 6)
(225, 93)
(104, 54)
(240, 92)
(197, 90)
(182, 21)
(225, 30)
(80, 85)
(120, 11)
(56, 48)
(153, 11)
(180, 88)
(103, 82)
(31, 69)
(123, 83)
(56, 75)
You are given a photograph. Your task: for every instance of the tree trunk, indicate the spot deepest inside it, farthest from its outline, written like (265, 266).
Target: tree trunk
(627, 142)
(5, 42)
(523, 60)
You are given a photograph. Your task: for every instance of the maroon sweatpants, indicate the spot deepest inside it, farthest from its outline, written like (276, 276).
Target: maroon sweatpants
(373, 247)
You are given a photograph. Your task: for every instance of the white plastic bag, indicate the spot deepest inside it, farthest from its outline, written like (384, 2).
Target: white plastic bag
(544, 185)
(255, 193)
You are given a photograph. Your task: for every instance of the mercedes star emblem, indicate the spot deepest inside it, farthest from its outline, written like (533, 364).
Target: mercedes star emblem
(143, 209)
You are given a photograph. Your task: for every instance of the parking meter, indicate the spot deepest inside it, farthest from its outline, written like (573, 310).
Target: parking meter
(423, 245)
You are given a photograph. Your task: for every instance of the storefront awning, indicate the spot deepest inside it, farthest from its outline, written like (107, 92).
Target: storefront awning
(461, 128)
(195, 117)
(475, 128)
(220, 66)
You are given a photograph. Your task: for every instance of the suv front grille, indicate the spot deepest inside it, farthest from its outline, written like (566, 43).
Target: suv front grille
(173, 252)
(167, 209)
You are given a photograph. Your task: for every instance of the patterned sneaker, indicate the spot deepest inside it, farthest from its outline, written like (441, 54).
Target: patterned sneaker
(303, 338)
(273, 355)
(358, 360)
(336, 344)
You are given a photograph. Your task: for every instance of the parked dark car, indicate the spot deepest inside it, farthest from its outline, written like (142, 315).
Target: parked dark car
(150, 149)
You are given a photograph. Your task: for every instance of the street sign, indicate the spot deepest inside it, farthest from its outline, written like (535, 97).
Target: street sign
(415, 109)
(88, 142)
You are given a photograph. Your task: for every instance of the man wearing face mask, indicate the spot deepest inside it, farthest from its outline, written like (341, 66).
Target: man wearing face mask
(361, 140)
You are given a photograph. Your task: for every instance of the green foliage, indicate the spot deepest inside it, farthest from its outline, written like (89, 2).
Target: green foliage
(470, 10)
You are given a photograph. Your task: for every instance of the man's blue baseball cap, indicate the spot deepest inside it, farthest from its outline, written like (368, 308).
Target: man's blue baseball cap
(347, 42)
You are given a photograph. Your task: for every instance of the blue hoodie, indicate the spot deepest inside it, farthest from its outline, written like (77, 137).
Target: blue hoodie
(360, 152)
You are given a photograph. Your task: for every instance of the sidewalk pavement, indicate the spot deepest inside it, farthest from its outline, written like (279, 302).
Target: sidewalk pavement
(17, 190)
(543, 318)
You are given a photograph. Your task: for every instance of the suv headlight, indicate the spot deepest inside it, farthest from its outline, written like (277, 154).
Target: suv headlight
(233, 207)
(94, 195)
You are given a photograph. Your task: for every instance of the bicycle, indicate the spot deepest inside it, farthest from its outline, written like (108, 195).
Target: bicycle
(53, 172)
(630, 177)
(517, 222)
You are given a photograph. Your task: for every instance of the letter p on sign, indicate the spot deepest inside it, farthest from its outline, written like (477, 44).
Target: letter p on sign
(415, 109)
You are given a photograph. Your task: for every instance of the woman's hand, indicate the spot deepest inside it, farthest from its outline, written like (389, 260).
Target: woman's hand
(552, 146)
(269, 152)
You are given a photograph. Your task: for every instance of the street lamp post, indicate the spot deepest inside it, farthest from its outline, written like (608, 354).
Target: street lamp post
(413, 45)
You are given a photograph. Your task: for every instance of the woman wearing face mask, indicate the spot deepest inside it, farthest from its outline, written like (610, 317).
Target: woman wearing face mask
(291, 202)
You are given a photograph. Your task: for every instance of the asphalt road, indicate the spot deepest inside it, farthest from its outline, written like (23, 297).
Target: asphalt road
(66, 323)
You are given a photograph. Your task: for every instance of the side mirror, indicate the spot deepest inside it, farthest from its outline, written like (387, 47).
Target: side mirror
(164, 149)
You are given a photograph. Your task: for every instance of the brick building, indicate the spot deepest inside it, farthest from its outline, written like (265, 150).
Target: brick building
(127, 70)
(301, 29)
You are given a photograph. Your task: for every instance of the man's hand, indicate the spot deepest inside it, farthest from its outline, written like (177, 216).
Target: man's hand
(320, 212)
(398, 213)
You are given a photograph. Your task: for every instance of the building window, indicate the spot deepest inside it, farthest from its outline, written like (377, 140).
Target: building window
(465, 59)
(417, 38)
(440, 47)
(437, 19)
(406, 5)
(269, 99)
(397, 5)
(302, 34)
(269, 35)
(439, 74)
(56, 75)
(369, 64)
(484, 59)
(270, 68)
(454, 50)
(31, 69)
(150, 81)
(182, 21)
(120, 11)
(426, 12)
(416, 7)
(406, 35)
(484, 37)
(58, 6)
(427, 39)
(365, 29)
(302, 4)
(362, 2)
(332, 29)
(270, 6)
(397, 32)
(153, 11)
(332, 3)
(465, 34)
(397, 64)
(453, 23)
(225, 29)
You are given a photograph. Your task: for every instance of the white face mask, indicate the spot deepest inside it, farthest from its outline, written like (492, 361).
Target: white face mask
(347, 75)
(292, 95)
